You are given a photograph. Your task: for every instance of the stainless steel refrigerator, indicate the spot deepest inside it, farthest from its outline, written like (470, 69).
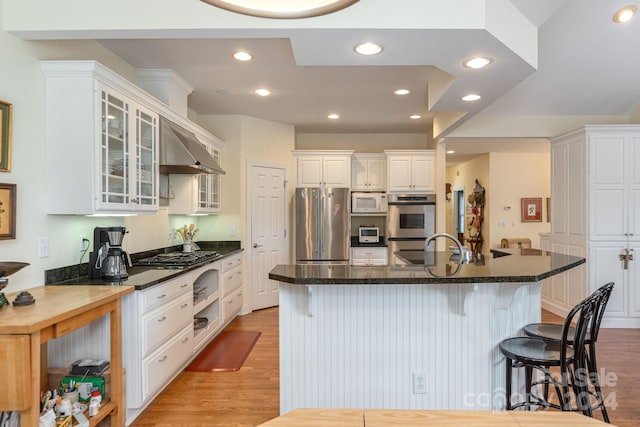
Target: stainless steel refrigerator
(323, 224)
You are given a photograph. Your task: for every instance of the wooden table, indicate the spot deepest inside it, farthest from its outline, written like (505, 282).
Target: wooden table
(388, 418)
(24, 332)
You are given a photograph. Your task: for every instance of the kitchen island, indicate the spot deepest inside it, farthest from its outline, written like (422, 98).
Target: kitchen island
(423, 335)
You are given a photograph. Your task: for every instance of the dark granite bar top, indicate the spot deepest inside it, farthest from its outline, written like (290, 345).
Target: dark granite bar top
(356, 244)
(145, 277)
(516, 265)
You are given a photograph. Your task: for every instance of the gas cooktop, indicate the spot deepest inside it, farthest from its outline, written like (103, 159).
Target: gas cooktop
(177, 259)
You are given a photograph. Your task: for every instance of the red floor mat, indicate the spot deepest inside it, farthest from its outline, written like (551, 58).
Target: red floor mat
(227, 352)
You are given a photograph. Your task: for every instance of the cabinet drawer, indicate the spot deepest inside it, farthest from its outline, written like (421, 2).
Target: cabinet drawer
(232, 262)
(368, 253)
(231, 305)
(160, 324)
(163, 363)
(232, 280)
(165, 293)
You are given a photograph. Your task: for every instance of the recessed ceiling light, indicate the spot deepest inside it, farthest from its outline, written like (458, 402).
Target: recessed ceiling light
(625, 14)
(415, 117)
(471, 97)
(368, 48)
(243, 56)
(333, 116)
(262, 92)
(402, 92)
(451, 151)
(477, 62)
(282, 9)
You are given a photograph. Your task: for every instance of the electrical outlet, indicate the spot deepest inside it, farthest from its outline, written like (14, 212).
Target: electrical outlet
(43, 247)
(172, 233)
(84, 243)
(232, 230)
(419, 383)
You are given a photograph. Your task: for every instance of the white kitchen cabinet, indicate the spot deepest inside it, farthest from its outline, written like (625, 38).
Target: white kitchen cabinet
(207, 297)
(411, 171)
(99, 130)
(368, 172)
(156, 323)
(369, 256)
(323, 168)
(231, 286)
(595, 202)
(196, 194)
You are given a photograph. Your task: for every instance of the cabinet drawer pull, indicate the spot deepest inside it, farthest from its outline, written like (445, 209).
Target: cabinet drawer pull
(162, 359)
(161, 296)
(184, 340)
(162, 319)
(184, 285)
(184, 305)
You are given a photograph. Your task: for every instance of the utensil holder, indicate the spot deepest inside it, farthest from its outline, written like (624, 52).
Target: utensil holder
(187, 246)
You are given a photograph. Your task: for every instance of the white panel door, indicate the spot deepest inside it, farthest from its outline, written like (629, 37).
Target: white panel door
(375, 174)
(268, 238)
(310, 171)
(423, 173)
(336, 171)
(399, 171)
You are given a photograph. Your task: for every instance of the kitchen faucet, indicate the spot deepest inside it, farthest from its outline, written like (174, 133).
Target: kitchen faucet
(461, 250)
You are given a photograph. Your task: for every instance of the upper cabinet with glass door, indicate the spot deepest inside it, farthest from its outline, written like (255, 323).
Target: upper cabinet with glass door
(102, 142)
(128, 156)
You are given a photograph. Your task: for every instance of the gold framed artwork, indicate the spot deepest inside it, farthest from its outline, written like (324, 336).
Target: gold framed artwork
(7, 211)
(548, 209)
(5, 136)
(531, 209)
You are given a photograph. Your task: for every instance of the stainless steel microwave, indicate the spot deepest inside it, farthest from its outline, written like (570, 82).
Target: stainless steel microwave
(369, 202)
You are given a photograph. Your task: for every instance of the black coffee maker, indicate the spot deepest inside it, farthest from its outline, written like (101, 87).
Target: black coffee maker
(108, 260)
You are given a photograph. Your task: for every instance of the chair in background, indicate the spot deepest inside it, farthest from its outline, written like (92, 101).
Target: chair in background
(541, 355)
(554, 332)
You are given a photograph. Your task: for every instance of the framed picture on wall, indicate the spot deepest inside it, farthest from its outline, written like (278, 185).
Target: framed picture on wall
(5, 136)
(548, 209)
(531, 209)
(7, 211)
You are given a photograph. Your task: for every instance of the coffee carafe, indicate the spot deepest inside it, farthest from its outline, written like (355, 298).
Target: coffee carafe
(108, 260)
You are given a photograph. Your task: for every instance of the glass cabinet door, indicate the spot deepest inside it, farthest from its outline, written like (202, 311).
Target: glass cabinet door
(209, 187)
(115, 174)
(146, 194)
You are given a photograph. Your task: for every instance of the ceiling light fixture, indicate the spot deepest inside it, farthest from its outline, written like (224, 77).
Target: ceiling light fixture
(368, 48)
(333, 116)
(477, 62)
(282, 8)
(242, 56)
(262, 92)
(471, 97)
(415, 117)
(625, 14)
(402, 92)
(451, 151)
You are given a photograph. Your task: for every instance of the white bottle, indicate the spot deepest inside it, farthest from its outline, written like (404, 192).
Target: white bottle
(94, 405)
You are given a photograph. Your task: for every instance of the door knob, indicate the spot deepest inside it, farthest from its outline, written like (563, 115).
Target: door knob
(255, 245)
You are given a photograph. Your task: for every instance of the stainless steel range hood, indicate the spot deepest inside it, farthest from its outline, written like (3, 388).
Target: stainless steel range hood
(182, 153)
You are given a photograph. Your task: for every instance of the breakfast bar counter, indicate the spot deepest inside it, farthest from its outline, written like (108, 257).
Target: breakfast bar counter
(412, 336)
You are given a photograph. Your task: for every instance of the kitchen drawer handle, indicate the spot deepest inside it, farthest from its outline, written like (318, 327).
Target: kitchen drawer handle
(184, 340)
(162, 359)
(184, 285)
(184, 305)
(162, 319)
(161, 296)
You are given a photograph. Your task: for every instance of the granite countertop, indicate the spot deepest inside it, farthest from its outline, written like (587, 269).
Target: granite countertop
(144, 277)
(515, 265)
(356, 244)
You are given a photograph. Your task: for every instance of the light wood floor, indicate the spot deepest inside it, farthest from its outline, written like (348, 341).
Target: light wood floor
(250, 396)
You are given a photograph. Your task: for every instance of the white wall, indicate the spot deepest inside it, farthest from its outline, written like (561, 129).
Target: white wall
(514, 176)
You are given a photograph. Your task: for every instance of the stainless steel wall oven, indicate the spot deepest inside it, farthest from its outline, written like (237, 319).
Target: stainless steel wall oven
(411, 218)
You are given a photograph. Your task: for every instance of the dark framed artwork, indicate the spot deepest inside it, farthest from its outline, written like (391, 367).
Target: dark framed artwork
(531, 209)
(5, 136)
(7, 211)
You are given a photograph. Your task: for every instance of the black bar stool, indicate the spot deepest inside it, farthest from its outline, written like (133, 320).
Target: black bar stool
(554, 332)
(541, 354)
